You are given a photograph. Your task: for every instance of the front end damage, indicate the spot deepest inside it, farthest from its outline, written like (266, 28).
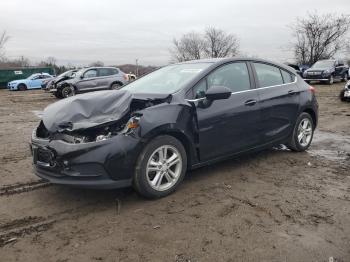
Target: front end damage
(91, 140)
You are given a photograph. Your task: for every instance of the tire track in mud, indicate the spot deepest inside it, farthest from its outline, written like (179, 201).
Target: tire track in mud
(22, 187)
(11, 231)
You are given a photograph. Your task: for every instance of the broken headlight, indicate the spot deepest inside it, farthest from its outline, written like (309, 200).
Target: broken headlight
(131, 125)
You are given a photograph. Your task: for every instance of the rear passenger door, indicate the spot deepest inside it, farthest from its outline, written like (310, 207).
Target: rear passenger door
(104, 75)
(279, 100)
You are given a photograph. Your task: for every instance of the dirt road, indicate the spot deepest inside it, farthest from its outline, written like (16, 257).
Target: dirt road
(275, 205)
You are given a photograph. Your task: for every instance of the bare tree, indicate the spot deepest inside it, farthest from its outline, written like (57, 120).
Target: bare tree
(3, 39)
(190, 46)
(218, 43)
(319, 36)
(97, 63)
(51, 61)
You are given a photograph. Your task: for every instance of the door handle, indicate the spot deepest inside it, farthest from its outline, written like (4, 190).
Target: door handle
(250, 102)
(291, 92)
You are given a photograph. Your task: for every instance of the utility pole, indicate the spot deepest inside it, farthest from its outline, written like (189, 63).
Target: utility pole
(137, 67)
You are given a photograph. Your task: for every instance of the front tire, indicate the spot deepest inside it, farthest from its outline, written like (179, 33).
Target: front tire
(342, 96)
(330, 80)
(345, 77)
(57, 95)
(67, 91)
(302, 134)
(22, 87)
(160, 167)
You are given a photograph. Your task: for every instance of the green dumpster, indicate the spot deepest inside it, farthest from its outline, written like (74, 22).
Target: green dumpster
(9, 74)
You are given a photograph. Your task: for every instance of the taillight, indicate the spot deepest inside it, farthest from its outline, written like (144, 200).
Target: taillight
(312, 89)
(126, 77)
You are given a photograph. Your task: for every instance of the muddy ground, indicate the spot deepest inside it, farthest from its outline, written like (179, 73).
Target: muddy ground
(275, 205)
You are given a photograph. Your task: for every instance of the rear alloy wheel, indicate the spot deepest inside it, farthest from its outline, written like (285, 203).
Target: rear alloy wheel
(160, 168)
(302, 134)
(22, 87)
(116, 86)
(67, 91)
(331, 80)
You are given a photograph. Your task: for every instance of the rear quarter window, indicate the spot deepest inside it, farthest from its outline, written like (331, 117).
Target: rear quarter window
(287, 77)
(268, 75)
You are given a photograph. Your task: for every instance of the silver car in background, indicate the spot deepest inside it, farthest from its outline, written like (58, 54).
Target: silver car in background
(90, 79)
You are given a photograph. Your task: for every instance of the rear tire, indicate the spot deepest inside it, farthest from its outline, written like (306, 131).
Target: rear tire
(303, 132)
(22, 87)
(160, 167)
(116, 86)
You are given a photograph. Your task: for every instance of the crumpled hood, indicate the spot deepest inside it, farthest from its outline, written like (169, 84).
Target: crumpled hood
(87, 110)
(318, 69)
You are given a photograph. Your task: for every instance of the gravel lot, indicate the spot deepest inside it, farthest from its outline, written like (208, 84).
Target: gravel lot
(275, 205)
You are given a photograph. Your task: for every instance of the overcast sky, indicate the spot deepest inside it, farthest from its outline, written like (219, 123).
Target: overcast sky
(117, 32)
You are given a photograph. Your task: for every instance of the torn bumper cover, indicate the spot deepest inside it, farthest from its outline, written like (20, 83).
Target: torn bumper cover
(67, 148)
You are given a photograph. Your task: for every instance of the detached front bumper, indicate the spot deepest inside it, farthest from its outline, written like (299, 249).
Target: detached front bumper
(102, 165)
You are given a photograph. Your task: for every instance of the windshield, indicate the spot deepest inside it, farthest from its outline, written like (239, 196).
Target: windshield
(167, 80)
(31, 77)
(67, 73)
(323, 64)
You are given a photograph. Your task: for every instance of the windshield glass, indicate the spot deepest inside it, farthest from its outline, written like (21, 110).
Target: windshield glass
(67, 73)
(323, 64)
(166, 80)
(32, 76)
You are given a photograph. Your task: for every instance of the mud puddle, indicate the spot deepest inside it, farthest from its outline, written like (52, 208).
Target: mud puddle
(331, 146)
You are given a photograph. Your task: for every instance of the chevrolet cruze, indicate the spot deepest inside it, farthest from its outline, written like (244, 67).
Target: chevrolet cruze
(180, 117)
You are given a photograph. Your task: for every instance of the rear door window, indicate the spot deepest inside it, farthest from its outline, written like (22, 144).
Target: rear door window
(268, 75)
(105, 71)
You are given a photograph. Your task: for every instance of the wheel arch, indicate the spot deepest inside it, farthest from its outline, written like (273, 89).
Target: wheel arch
(116, 82)
(312, 113)
(22, 83)
(189, 146)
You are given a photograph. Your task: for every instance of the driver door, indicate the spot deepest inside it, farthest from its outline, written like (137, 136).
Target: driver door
(230, 125)
(36, 81)
(89, 80)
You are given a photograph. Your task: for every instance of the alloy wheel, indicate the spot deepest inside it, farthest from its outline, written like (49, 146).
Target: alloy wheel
(164, 167)
(304, 132)
(67, 92)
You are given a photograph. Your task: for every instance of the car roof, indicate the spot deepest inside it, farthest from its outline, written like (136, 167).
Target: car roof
(219, 61)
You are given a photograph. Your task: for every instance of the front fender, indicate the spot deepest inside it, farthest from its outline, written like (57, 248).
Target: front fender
(172, 119)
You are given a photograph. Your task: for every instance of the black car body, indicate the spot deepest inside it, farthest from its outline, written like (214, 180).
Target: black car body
(327, 71)
(88, 80)
(223, 108)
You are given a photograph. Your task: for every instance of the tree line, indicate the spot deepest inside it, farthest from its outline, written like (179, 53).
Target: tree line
(314, 37)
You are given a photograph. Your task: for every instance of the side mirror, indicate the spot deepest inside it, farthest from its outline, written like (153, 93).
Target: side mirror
(217, 93)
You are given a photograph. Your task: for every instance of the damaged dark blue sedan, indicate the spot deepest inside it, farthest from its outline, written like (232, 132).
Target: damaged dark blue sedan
(182, 116)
